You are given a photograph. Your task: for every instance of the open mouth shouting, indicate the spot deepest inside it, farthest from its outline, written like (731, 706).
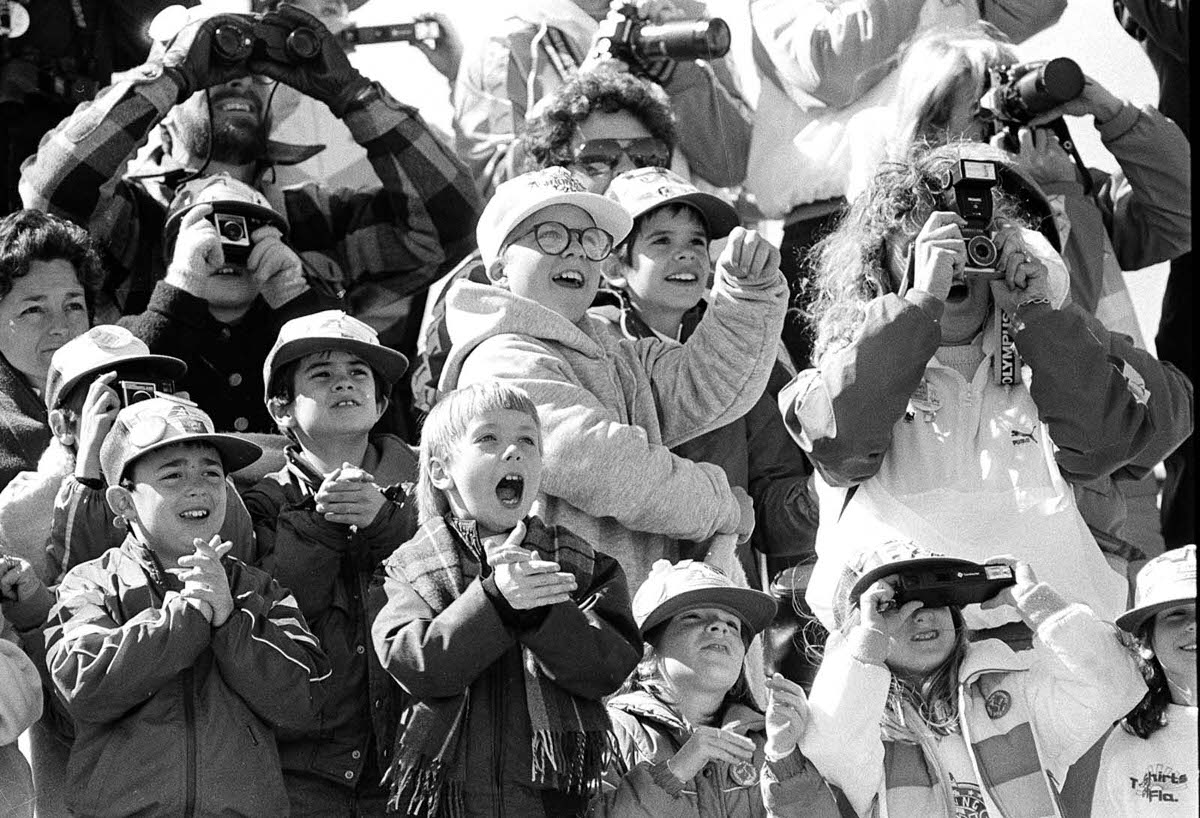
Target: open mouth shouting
(195, 515)
(510, 490)
(571, 279)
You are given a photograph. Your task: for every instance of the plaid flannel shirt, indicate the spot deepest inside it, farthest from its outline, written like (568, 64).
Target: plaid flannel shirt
(370, 247)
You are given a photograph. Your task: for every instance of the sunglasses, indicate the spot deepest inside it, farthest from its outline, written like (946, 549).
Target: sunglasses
(598, 156)
(554, 238)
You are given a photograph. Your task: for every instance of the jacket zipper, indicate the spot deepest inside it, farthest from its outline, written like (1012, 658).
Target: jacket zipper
(189, 719)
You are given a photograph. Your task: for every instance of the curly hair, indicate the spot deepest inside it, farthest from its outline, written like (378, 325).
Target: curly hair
(850, 265)
(547, 139)
(27, 236)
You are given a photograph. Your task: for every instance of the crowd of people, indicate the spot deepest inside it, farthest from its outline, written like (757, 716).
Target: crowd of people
(525, 476)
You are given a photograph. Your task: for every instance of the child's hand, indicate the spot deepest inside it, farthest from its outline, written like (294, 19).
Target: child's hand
(787, 715)
(204, 578)
(1008, 596)
(99, 410)
(198, 253)
(18, 581)
(709, 744)
(747, 255)
(349, 496)
(276, 268)
(525, 581)
(877, 607)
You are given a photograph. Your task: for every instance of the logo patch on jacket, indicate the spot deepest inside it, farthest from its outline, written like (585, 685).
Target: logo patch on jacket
(997, 704)
(1019, 438)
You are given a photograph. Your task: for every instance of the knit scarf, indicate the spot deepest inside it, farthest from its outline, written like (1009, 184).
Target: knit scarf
(569, 734)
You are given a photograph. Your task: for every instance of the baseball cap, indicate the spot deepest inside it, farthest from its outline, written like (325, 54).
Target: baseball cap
(892, 557)
(640, 191)
(1167, 580)
(528, 193)
(673, 588)
(159, 422)
(332, 329)
(100, 349)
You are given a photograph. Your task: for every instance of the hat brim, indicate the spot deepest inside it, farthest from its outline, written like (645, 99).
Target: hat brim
(754, 608)
(607, 215)
(390, 364)
(235, 452)
(1134, 618)
(900, 566)
(719, 216)
(171, 367)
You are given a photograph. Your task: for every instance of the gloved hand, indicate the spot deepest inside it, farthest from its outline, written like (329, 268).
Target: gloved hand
(328, 77)
(189, 59)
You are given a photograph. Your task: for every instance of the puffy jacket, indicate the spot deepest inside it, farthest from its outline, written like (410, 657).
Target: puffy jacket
(174, 717)
(20, 707)
(329, 568)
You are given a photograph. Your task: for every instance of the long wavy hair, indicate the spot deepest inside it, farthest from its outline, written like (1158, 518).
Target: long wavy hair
(850, 265)
(1150, 714)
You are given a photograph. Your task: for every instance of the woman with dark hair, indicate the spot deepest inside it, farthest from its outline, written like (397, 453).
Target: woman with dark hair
(690, 738)
(49, 271)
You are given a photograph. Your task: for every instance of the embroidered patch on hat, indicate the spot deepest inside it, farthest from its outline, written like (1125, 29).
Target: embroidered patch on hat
(188, 421)
(559, 179)
(110, 337)
(344, 326)
(998, 704)
(147, 431)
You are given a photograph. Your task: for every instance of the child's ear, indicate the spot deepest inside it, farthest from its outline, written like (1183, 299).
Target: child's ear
(281, 413)
(120, 500)
(495, 274)
(62, 427)
(439, 475)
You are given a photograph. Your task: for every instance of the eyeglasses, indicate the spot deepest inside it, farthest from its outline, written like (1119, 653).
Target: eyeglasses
(553, 238)
(599, 156)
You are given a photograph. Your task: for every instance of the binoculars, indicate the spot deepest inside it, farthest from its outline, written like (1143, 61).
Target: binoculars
(242, 36)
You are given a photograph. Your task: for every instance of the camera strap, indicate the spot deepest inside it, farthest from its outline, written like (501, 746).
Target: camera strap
(1006, 361)
(558, 51)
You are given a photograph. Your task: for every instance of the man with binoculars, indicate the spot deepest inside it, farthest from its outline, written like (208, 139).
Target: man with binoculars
(208, 87)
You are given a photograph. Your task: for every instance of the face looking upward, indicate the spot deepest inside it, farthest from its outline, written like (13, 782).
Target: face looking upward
(620, 125)
(920, 642)
(235, 134)
(44, 309)
(494, 471)
(566, 283)
(1173, 638)
(701, 649)
(333, 395)
(669, 264)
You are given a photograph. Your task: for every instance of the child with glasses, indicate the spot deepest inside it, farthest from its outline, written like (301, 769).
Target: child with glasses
(612, 409)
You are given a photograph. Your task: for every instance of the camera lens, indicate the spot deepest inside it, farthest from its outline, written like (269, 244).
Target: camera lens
(981, 251)
(139, 395)
(232, 231)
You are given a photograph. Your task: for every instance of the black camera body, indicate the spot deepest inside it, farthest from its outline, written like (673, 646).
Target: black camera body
(1015, 94)
(939, 586)
(972, 181)
(132, 392)
(238, 37)
(234, 226)
(416, 31)
(633, 40)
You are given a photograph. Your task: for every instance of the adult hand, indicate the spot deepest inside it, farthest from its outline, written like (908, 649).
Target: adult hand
(188, 56)
(204, 577)
(1007, 596)
(100, 407)
(1025, 276)
(787, 715)
(749, 256)
(444, 53)
(745, 526)
(349, 496)
(198, 253)
(276, 268)
(709, 744)
(529, 583)
(1041, 155)
(1094, 100)
(18, 581)
(939, 254)
(328, 77)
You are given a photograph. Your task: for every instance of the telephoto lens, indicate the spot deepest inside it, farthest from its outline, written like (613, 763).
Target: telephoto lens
(1044, 88)
(699, 40)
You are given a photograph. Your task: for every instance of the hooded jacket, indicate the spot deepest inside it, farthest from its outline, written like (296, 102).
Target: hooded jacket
(611, 410)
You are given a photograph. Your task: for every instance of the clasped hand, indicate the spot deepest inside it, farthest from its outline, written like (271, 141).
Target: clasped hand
(524, 579)
(205, 584)
(349, 496)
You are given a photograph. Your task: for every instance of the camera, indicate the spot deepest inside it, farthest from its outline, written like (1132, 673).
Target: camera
(132, 392)
(416, 31)
(238, 37)
(972, 181)
(938, 587)
(1016, 94)
(234, 230)
(633, 40)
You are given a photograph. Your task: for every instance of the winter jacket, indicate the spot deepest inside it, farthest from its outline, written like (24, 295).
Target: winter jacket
(754, 450)
(649, 733)
(475, 645)
(174, 717)
(975, 469)
(20, 707)
(828, 73)
(328, 568)
(24, 427)
(1025, 716)
(611, 410)
(368, 247)
(535, 49)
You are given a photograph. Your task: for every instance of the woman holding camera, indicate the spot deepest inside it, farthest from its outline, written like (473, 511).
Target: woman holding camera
(1129, 220)
(905, 415)
(910, 708)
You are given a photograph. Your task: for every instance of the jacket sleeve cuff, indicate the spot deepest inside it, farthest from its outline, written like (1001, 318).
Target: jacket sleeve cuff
(661, 775)
(790, 766)
(1037, 603)
(933, 307)
(1120, 124)
(868, 645)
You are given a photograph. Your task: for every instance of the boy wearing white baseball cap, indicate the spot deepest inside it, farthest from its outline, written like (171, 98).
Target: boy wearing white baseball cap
(611, 409)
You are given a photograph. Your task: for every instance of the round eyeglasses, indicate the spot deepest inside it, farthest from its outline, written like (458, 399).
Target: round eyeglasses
(553, 239)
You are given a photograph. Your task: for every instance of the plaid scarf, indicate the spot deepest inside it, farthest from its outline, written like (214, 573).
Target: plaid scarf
(569, 734)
